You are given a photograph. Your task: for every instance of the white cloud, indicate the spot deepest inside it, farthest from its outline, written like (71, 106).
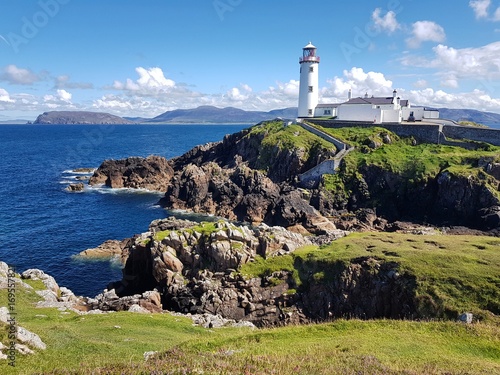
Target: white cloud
(480, 7)
(386, 23)
(476, 99)
(239, 94)
(360, 82)
(425, 31)
(5, 97)
(64, 96)
(421, 83)
(496, 16)
(482, 63)
(151, 81)
(18, 76)
(481, 10)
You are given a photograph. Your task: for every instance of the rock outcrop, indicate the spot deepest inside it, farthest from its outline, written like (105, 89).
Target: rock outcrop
(108, 249)
(151, 173)
(195, 269)
(445, 199)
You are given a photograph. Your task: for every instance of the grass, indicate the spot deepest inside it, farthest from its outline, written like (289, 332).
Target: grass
(459, 272)
(278, 137)
(453, 273)
(414, 165)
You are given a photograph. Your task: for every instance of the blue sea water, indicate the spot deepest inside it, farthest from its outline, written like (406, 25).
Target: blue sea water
(44, 226)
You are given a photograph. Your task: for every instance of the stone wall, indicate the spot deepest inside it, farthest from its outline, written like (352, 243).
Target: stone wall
(426, 132)
(488, 135)
(327, 137)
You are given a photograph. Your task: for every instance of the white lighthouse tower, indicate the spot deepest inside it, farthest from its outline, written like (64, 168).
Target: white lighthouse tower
(308, 89)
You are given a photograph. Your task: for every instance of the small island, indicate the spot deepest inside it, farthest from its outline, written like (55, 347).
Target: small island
(79, 117)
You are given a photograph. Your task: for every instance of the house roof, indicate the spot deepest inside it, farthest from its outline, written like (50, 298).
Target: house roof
(326, 105)
(376, 101)
(372, 100)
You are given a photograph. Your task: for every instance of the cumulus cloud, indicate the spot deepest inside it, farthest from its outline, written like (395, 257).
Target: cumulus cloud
(61, 96)
(360, 82)
(151, 81)
(386, 23)
(477, 99)
(481, 63)
(18, 76)
(425, 31)
(5, 97)
(64, 95)
(239, 94)
(480, 7)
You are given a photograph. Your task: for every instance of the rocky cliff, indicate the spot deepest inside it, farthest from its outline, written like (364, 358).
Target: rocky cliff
(196, 269)
(252, 176)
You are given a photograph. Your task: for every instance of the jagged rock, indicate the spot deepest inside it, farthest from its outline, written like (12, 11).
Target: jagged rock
(36, 274)
(30, 338)
(75, 187)
(108, 249)
(152, 173)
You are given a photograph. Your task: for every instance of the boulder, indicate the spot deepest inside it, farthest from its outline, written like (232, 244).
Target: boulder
(75, 187)
(151, 173)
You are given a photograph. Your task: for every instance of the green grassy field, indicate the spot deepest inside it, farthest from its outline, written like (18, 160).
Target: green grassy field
(460, 273)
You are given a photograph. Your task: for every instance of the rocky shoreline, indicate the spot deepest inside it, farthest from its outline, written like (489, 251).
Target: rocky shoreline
(196, 268)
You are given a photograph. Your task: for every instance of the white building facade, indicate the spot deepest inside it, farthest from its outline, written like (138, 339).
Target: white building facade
(377, 110)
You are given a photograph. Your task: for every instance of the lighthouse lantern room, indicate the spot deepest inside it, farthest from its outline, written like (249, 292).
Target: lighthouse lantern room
(308, 89)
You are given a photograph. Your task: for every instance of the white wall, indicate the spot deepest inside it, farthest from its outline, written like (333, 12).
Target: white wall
(418, 113)
(391, 115)
(356, 112)
(431, 114)
(320, 112)
(308, 100)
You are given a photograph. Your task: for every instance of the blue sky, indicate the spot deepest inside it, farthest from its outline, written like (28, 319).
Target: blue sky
(142, 58)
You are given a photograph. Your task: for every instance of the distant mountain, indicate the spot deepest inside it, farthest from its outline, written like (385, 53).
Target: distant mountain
(469, 115)
(210, 114)
(13, 122)
(79, 117)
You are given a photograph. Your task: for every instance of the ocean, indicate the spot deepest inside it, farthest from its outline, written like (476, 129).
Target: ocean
(43, 226)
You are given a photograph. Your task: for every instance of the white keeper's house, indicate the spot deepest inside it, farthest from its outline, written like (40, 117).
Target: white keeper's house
(377, 110)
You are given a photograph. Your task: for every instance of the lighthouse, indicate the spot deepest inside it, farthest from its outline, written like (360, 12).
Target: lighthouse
(308, 89)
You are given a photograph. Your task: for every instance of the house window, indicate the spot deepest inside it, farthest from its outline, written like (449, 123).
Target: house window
(311, 69)
(310, 112)
(327, 112)
(310, 89)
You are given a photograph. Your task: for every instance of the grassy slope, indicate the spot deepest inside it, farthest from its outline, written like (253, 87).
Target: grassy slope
(414, 162)
(459, 272)
(276, 136)
(454, 273)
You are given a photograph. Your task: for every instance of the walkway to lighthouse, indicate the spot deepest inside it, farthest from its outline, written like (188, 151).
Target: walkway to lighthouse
(311, 177)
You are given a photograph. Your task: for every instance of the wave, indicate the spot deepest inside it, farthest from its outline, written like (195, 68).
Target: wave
(78, 171)
(103, 189)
